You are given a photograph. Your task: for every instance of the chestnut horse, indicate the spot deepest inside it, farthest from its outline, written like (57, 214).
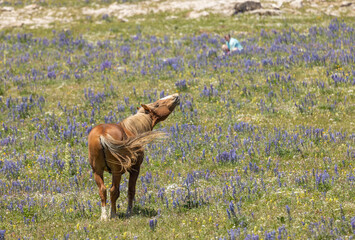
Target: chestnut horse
(119, 148)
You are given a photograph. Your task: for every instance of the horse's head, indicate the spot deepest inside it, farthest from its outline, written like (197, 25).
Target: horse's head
(160, 109)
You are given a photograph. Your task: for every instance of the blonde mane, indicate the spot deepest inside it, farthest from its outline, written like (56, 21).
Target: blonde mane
(138, 123)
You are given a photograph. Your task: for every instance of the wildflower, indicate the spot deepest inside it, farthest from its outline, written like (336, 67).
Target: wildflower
(352, 221)
(105, 65)
(105, 16)
(51, 75)
(2, 234)
(153, 224)
(288, 212)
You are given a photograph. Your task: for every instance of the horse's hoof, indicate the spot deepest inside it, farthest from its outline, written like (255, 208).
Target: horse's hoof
(103, 214)
(129, 212)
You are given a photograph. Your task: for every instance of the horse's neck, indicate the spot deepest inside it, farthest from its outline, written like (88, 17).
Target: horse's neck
(138, 123)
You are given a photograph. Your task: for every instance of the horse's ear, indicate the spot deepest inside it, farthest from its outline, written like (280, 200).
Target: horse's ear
(146, 108)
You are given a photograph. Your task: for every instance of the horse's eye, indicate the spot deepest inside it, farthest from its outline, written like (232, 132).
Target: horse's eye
(156, 105)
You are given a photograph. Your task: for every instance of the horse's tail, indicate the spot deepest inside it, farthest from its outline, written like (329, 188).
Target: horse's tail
(126, 152)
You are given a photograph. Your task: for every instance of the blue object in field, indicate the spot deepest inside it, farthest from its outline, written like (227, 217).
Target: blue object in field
(234, 43)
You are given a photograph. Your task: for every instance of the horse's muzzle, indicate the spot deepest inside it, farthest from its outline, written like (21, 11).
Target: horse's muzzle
(177, 99)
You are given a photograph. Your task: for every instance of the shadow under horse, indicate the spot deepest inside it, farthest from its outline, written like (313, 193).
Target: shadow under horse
(119, 148)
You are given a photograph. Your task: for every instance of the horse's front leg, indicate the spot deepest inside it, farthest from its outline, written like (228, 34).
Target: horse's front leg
(114, 192)
(133, 176)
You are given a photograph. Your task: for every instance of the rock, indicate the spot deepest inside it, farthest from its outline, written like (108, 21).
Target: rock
(314, 5)
(246, 6)
(334, 14)
(279, 3)
(171, 17)
(195, 14)
(31, 6)
(270, 6)
(123, 19)
(345, 4)
(331, 11)
(296, 3)
(291, 11)
(6, 9)
(313, 11)
(266, 12)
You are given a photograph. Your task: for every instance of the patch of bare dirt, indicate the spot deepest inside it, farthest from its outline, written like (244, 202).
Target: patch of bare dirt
(198, 8)
(36, 16)
(33, 15)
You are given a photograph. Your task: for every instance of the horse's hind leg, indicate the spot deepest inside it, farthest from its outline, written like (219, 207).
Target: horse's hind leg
(133, 176)
(98, 176)
(97, 162)
(114, 192)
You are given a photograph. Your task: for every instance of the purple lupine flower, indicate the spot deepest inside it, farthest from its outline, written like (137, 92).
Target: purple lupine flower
(2, 234)
(51, 74)
(153, 224)
(181, 84)
(352, 222)
(231, 208)
(336, 169)
(105, 65)
(105, 16)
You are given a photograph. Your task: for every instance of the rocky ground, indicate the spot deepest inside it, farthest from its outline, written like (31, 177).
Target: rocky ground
(38, 16)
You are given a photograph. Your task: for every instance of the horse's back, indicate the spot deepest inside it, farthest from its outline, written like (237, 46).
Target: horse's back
(96, 157)
(114, 130)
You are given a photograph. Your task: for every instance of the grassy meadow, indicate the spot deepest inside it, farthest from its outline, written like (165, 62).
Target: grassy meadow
(261, 146)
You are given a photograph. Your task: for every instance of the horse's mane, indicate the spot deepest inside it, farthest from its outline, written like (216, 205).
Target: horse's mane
(138, 123)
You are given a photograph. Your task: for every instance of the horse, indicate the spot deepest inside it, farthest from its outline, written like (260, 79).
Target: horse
(119, 148)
